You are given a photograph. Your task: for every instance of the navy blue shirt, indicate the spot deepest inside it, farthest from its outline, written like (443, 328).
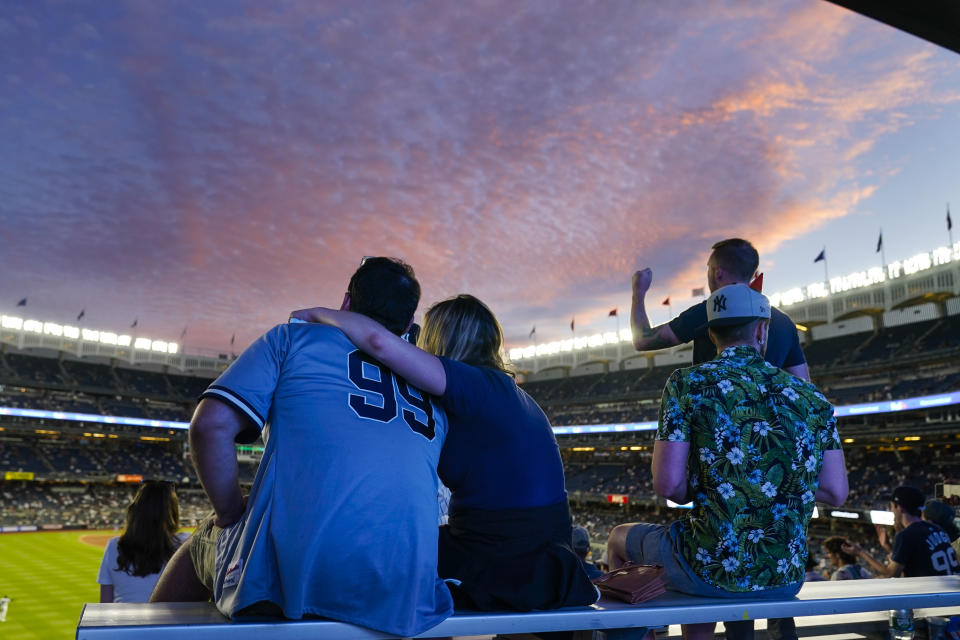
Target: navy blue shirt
(783, 344)
(924, 550)
(500, 451)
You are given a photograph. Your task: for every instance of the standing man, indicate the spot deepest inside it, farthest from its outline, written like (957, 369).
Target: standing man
(920, 547)
(341, 521)
(753, 447)
(733, 261)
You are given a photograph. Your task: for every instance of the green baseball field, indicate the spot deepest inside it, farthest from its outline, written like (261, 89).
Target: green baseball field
(49, 576)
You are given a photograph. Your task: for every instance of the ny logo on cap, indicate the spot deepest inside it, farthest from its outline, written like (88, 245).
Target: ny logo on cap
(720, 304)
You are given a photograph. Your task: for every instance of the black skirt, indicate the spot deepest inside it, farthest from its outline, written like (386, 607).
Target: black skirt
(516, 559)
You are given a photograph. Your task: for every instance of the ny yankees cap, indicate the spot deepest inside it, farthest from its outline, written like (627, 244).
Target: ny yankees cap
(736, 304)
(910, 498)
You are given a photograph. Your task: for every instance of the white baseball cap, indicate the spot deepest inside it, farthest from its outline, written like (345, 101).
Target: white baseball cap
(736, 304)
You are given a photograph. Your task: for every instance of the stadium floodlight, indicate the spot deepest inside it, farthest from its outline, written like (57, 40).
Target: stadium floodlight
(142, 343)
(90, 335)
(675, 505)
(124, 340)
(33, 326)
(71, 332)
(173, 347)
(107, 337)
(159, 345)
(816, 512)
(52, 328)
(11, 322)
(850, 515)
(882, 517)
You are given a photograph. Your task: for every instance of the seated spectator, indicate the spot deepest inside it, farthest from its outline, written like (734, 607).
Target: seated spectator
(580, 541)
(920, 548)
(845, 564)
(939, 512)
(507, 544)
(810, 573)
(133, 561)
(752, 447)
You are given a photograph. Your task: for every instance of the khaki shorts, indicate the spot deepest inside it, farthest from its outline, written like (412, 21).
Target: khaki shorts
(203, 550)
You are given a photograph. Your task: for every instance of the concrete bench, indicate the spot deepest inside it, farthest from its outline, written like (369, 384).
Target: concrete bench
(178, 621)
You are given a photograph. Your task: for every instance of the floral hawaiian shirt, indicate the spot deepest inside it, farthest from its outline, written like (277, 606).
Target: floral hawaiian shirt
(757, 437)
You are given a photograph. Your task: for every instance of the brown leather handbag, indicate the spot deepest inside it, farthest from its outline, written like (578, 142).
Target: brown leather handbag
(633, 583)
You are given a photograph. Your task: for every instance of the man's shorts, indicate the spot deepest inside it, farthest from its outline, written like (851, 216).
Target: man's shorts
(657, 544)
(203, 550)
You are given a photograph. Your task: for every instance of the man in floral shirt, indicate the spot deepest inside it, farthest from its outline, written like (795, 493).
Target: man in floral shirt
(753, 447)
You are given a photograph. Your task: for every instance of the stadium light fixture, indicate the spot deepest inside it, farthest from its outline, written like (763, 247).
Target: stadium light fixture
(850, 515)
(52, 328)
(142, 343)
(71, 332)
(34, 326)
(11, 322)
(882, 517)
(675, 505)
(90, 335)
(123, 341)
(107, 337)
(816, 512)
(173, 347)
(159, 345)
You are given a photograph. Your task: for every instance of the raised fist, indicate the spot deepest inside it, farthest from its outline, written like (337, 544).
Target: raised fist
(642, 280)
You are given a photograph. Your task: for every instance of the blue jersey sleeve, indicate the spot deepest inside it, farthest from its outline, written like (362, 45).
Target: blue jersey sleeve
(685, 325)
(249, 383)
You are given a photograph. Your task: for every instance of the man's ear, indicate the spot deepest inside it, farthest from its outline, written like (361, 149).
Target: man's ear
(345, 305)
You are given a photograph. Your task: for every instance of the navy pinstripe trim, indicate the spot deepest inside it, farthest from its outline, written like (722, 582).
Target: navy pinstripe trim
(236, 400)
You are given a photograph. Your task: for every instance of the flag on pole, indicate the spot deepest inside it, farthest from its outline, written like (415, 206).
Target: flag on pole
(80, 315)
(613, 313)
(233, 339)
(666, 302)
(23, 301)
(879, 243)
(699, 291)
(949, 223)
(571, 324)
(533, 331)
(135, 322)
(821, 256)
(757, 283)
(183, 333)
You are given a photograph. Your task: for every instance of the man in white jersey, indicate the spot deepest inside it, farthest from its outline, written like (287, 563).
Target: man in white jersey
(341, 521)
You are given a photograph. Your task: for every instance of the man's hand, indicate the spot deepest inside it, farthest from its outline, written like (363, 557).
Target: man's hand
(314, 314)
(883, 536)
(641, 281)
(852, 548)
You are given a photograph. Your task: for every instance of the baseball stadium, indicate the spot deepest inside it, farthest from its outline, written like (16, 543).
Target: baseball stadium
(87, 415)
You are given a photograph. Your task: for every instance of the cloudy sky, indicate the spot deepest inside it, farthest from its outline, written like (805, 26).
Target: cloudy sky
(216, 164)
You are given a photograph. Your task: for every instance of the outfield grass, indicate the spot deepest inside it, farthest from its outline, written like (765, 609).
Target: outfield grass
(49, 575)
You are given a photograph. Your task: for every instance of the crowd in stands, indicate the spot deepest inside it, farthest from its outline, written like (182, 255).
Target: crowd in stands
(91, 506)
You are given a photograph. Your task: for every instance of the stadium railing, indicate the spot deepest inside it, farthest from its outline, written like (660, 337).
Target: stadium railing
(202, 620)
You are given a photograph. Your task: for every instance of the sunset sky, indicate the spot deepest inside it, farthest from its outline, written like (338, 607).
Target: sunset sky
(215, 165)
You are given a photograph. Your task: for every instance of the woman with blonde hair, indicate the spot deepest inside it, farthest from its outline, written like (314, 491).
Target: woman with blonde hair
(507, 543)
(133, 561)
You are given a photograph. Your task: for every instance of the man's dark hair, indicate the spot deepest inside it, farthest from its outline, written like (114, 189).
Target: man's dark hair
(735, 333)
(835, 545)
(737, 256)
(386, 290)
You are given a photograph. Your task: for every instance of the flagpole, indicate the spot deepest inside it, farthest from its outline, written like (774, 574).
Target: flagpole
(949, 227)
(883, 252)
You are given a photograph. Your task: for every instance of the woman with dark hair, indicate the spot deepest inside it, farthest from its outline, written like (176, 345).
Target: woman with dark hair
(507, 543)
(133, 561)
